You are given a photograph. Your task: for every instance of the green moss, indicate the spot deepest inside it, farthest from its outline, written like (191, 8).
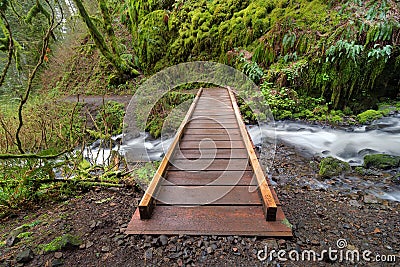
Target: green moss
(332, 167)
(381, 161)
(368, 116)
(24, 235)
(61, 242)
(396, 178)
(360, 170)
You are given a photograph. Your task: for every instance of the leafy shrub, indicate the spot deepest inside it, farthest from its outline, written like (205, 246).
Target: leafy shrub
(110, 118)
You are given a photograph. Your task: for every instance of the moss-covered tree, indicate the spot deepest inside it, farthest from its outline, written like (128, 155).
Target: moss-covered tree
(108, 49)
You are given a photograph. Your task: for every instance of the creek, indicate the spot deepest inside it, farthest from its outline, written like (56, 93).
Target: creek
(349, 144)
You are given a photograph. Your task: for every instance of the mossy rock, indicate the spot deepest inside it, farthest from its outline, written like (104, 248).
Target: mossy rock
(381, 161)
(66, 241)
(332, 167)
(369, 115)
(396, 178)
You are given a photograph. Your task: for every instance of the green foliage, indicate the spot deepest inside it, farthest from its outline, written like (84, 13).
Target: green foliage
(251, 69)
(285, 103)
(343, 48)
(143, 174)
(162, 109)
(369, 115)
(110, 118)
(334, 54)
(381, 161)
(333, 167)
(20, 181)
(380, 53)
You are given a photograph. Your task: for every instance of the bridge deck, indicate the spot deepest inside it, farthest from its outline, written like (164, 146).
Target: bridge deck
(210, 181)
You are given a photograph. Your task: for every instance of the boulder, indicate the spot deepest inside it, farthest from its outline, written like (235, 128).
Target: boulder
(333, 167)
(381, 161)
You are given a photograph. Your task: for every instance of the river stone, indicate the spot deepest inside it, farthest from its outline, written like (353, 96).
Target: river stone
(24, 256)
(148, 254)
(163, 240)
(381, 161)
(370, 199)
(396, 178)
(332, 167)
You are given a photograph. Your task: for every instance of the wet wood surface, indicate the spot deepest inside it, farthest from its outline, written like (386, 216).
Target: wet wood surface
(211, 183)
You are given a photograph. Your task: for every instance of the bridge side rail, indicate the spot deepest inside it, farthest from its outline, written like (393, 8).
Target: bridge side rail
(147, 204)
(267, 199)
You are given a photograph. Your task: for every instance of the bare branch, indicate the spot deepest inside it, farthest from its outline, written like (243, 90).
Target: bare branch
(32, 75)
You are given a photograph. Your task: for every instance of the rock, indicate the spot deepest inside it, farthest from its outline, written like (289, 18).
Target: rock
(210, 250)
(315, 242)
(332, 167)
(381, 161)
(24, 256)
(236, 251)
(281, 243)
(396, 178)
(355, 203)
(66, 241)
(57, 262)
(148, 254)
(175, 255)
(163, 240)
(172, 248)
(179, 262)
(370, 199)
(105, 249)
(271, 244)
(12, 240)
(58, 255)
(89, 244)
(346, 226)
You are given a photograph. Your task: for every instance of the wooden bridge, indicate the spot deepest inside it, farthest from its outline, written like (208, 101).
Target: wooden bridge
(210, 181)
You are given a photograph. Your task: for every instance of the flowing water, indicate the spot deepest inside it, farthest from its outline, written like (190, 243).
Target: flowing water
(349, 144)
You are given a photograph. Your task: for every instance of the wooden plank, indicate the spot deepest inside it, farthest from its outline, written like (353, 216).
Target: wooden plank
(215, 117)
(210, 220)
(211, 144)
(209, 165)
(211, 112)
(212, 125)
(209, 195)
(214, 120)
(270, 207)
(212, 131)
(215, 137)
(147, 203)
(210, 178)
(220, 153)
